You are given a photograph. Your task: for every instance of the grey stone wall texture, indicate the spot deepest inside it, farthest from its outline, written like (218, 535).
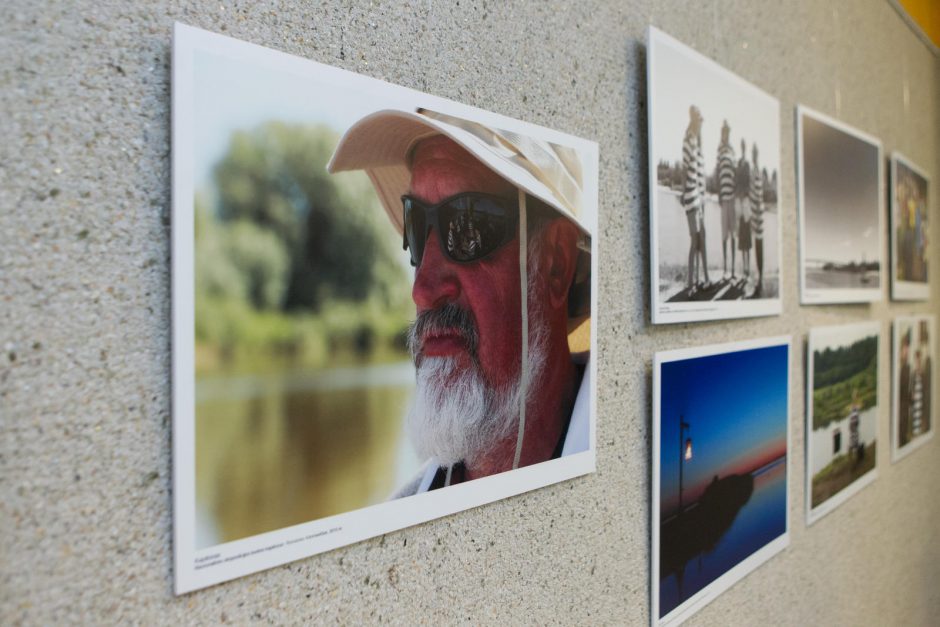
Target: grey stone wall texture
(85, 466)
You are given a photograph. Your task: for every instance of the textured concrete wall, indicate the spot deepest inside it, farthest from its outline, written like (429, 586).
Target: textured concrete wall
(85, 468)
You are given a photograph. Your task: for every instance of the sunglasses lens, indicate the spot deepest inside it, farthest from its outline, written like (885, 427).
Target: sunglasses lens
(472, 227)
(415, 230)
(469, 226)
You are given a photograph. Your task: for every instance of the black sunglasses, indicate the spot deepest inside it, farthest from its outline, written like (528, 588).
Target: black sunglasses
(469, 226)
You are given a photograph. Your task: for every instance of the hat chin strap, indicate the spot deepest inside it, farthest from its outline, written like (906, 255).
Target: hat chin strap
(523, 287)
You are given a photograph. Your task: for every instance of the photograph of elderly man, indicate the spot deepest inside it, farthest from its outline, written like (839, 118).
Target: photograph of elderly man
(496, 382)
(378, 294)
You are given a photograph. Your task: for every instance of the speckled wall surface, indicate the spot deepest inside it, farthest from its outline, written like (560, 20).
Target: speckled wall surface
(85, 468)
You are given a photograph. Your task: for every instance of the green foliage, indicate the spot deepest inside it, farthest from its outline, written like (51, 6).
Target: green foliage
(831, 366)
(839, 375)
(294, 262)
(332, 226)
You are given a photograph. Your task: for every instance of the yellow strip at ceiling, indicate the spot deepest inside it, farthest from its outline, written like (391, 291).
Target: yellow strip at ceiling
(927, 15)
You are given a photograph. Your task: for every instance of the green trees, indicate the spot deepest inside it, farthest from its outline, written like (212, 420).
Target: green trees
(287, 245)
(843, 377)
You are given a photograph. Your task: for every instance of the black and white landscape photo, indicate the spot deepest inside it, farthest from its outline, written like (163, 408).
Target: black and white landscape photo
(841, 216)
(714, 170)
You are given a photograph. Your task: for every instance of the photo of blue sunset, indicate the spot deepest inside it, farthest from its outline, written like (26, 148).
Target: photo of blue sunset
(723, 451)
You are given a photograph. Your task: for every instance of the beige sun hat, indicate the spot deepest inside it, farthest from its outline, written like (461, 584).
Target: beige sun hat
(381, 144)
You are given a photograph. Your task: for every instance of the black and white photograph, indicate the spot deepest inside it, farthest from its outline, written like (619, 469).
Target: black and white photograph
(714, 163)
(381, 302)
(912, 407)
(910, 232)
(841, 211)
(842, 409)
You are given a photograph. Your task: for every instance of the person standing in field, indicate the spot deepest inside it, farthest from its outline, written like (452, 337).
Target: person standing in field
(854, 441)
(725, 173)
(693, 196)
(742, 188)
(757, 220)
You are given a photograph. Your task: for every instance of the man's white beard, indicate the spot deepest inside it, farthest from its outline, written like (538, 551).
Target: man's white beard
(457, 416)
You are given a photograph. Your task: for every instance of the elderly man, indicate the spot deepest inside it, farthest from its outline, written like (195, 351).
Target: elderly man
(491, 221)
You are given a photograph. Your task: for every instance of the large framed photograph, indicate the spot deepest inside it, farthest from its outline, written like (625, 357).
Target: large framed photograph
(714, 160)
(381, 307)
(912, 404)
(841, 211)
(720, 476)
(842, 412)
(909, 230)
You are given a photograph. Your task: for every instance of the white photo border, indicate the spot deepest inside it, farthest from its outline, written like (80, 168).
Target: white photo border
(900, 452)
(904, 290)
(195, 569)
(671, 313)
(836, 296)
(814, 514)
(735, 574)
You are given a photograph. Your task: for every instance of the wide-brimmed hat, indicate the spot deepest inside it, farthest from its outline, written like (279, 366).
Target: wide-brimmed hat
(381, 144)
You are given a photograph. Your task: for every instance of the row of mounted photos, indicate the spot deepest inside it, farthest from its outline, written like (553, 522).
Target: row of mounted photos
(715, 214)
(721, 442)
(300, 422)
(721, 438)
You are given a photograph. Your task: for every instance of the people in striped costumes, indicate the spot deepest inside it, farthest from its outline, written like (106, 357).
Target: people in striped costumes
(693, 197)
(757, 219)
(724, 172)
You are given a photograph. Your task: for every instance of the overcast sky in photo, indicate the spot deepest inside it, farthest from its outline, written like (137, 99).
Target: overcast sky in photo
(841, 194)
(232, 95)
(840, 337)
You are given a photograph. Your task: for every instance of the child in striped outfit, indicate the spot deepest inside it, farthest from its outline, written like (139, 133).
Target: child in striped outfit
(742, 194)
(757, 220)
(725, 174)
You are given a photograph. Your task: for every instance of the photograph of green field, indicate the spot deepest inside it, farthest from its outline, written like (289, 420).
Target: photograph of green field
(843, 413)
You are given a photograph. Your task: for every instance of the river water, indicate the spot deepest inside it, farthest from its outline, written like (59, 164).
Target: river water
(761, 520)
(285, 447)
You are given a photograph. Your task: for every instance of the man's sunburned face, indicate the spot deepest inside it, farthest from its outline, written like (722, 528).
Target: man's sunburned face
(488, 289)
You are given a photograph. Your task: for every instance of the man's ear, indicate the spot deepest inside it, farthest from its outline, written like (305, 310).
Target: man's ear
(560, 254)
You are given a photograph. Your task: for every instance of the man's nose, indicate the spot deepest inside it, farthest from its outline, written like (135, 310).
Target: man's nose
(436, 280)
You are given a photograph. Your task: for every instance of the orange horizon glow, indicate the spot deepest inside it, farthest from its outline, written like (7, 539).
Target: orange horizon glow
(743, 466)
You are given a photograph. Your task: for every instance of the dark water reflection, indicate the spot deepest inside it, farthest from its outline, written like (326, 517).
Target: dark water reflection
(761, 520)
(275, 450)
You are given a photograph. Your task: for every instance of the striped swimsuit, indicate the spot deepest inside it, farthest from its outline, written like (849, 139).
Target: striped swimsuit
(693, 163)
(725, 172)
(757, 204)
(917, 404)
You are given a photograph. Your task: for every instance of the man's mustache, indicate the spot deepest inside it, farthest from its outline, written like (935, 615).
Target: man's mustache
(447, 319)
